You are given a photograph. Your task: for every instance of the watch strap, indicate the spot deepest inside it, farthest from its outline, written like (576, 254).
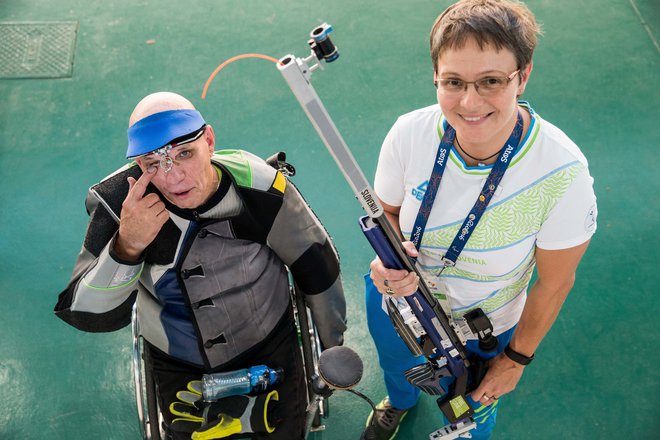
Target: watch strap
(517, 357)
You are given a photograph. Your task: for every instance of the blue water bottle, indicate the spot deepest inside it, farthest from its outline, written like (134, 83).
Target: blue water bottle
(247, 380)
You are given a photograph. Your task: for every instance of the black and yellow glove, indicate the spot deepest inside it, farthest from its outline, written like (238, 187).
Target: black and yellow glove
(222, 418)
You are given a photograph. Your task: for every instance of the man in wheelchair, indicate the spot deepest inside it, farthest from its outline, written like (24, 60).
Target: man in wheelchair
(201, 242)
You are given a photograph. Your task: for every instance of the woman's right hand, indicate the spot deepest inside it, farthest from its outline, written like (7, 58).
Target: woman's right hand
(395, 282)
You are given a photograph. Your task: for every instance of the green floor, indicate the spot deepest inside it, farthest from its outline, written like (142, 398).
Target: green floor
(596, 75)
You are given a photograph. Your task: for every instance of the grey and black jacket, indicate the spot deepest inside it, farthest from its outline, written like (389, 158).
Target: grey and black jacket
(213, 284)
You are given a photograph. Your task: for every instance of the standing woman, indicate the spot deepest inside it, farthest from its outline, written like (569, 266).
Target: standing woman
(513, 193)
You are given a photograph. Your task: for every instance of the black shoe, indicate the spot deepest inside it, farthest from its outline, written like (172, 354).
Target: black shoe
(385, 423)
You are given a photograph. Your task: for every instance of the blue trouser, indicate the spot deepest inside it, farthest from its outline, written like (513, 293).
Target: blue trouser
(395, 358)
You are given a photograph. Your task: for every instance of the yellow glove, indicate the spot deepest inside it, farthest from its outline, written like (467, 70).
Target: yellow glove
(224, 417)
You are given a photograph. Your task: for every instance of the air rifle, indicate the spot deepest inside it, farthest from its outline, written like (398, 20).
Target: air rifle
(421, 321)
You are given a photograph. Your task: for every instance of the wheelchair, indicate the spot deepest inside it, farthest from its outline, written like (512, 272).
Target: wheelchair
(148, 410)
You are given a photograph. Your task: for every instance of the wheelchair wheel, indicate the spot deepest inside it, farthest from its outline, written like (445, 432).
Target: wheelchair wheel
(154, 420)
(146, 399)
(317, 406)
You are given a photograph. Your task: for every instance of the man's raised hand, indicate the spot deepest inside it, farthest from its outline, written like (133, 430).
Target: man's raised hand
(142, 217)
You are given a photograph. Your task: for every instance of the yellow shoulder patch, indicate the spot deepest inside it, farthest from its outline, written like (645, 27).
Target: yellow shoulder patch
(280, 182)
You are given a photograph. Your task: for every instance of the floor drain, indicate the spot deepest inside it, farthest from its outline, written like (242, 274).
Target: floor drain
(37, 49)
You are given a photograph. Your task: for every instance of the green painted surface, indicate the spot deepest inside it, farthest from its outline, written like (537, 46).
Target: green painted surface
(595, 76)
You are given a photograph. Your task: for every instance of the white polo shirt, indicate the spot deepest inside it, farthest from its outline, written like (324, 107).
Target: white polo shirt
(545, 199)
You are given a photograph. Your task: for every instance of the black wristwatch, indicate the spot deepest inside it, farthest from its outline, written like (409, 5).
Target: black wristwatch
(517, 357)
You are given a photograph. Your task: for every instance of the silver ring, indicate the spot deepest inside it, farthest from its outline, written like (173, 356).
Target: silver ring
(389, 291)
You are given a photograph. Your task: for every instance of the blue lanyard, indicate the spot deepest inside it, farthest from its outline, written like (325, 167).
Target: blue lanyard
(493, 180)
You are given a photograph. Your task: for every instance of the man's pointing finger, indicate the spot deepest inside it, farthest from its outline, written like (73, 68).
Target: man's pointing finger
(139, 187)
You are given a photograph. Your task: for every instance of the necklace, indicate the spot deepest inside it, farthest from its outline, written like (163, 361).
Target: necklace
(481, 161)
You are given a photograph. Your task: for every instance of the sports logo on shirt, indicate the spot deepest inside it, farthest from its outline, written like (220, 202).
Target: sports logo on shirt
(419, 192)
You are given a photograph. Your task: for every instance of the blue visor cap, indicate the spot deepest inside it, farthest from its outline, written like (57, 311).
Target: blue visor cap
(156, 131)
